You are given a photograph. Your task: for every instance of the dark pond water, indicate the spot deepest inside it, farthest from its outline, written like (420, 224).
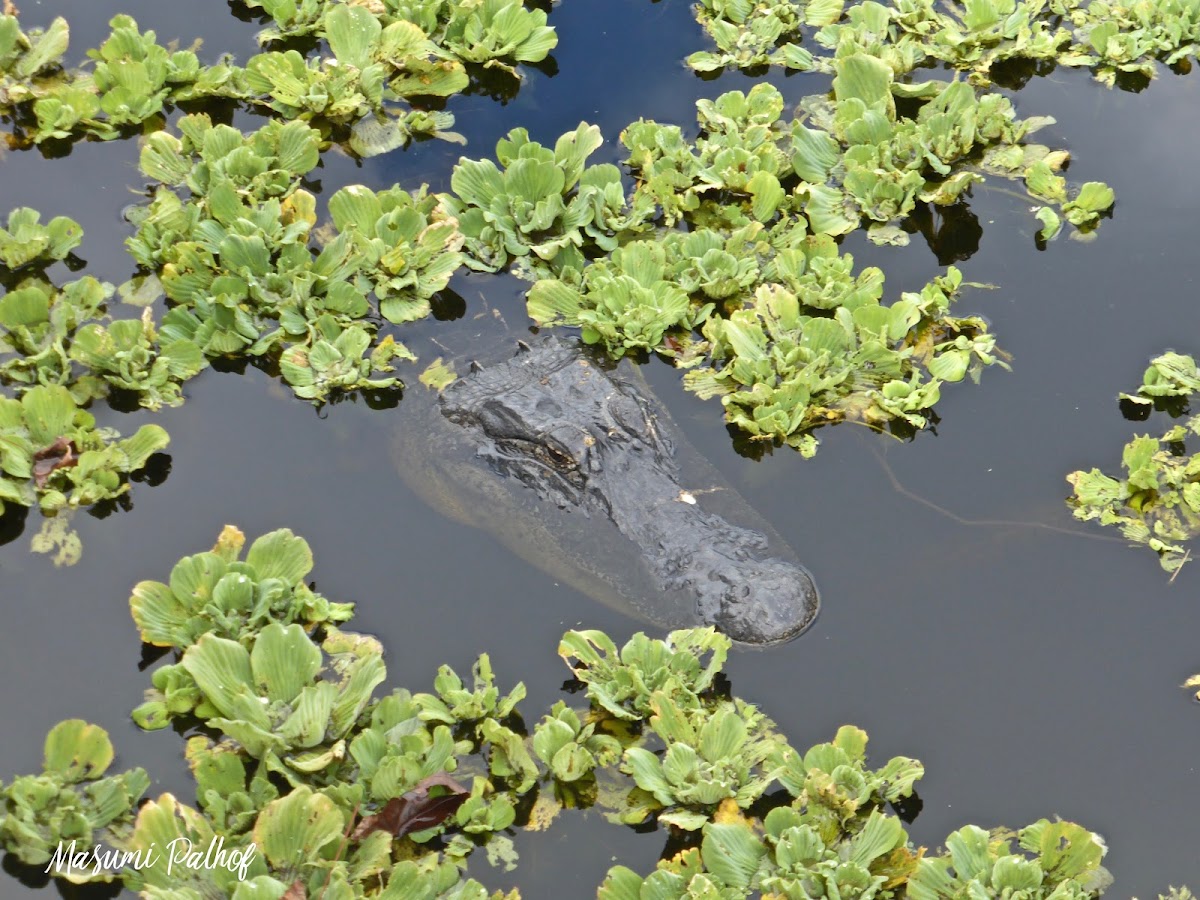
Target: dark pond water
(1032, 666)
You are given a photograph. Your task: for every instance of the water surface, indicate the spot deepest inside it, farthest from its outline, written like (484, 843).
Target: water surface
(1034, 671)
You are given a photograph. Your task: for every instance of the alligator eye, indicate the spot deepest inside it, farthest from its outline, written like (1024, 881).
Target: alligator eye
(560, 455)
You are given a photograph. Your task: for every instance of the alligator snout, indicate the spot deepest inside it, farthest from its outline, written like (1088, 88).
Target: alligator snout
(758, 601)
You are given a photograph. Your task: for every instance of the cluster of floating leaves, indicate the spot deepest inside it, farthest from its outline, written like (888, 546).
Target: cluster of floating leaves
(973, 36)
(1156, 502)
(228, 234)
(383, 57)
(347, 795)
(793, 338)
(234, 255)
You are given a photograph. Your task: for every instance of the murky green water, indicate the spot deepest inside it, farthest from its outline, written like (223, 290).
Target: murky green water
(1034, 671)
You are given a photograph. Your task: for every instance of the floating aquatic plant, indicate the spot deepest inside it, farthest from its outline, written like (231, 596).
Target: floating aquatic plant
(219, 593)
(71, 800)
(53, 455)
(781, 371)
(730, 175)
(540, 206)
(134, 76)
(26, 241)
(835, 839)
(28, 57)
(865, 161)
(791, 859)
(133, 79)
(1157, 501)
(1052, 859)
(407, 246)
(53, 336)
(973, 36)
(128, 355)
(793, 337)
(37, 321)
(235, 256)
(710, 754)
(570, 748)
(318, 785)
(760, 34)
(372, 66)
(622, 682)
(489, 31)
(335, 361)
(631, 299)
(382, 57)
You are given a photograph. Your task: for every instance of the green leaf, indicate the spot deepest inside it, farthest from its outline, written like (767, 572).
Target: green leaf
(281, 554)
(732, 854)
(283, 661)
(865, 78)
(353, 34)
(77, 751)
(292, 830)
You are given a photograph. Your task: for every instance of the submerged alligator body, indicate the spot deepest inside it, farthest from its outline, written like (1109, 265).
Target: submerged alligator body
(575, 469)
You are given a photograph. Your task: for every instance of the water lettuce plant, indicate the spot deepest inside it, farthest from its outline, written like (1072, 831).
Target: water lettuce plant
(540, 206)
(570, 749)
(406, 244)
(230, 236)
(28, 56)
(487, 32)
(37, 323)
(632, 298)
(793, 337)
(383, 57)
(622, 682)
(52, 454)
(750, 35)
(791, 859)
(71, 800)
(27, 242)
(781, 372)
(973, 36)
(1156, 502)
(320, 788)
(710, 753)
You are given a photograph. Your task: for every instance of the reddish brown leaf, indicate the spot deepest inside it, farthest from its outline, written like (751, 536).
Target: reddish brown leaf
(416, 810)
(59, 455)
(295, 892)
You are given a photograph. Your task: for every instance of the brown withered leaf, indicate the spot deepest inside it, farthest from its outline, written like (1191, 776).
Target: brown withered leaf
(59, 455)
(416, 810)
(295, 892)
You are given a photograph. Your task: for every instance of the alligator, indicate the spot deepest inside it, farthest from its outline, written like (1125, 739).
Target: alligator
(573, 466)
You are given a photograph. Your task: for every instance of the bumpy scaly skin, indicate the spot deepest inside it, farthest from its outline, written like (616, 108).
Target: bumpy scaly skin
(583, 438)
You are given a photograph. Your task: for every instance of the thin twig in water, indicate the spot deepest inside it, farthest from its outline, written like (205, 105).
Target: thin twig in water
(1187, 554)
(997, 523)
(341, 847)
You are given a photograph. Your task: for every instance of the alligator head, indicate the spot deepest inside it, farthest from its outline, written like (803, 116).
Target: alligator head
(584, 438)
